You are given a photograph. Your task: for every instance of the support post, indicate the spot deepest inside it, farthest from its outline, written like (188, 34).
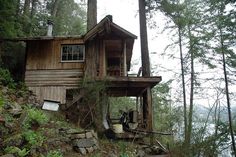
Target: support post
(124, 58)
(147, 109)
(102, 60)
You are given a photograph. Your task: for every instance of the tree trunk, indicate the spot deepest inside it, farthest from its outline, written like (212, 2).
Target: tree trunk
(26, 17)
(91, 14)
(143, 39)
(32, 14)
(33, 8)
(183, 83)
(217, 121)
(190, 116)
(227, 94)
(17, 9)
(55, 8)
(26, 7)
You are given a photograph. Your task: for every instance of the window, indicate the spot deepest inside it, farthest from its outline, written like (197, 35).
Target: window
(72, 53)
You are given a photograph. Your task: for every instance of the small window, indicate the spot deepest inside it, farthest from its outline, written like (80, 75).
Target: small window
(72, 53)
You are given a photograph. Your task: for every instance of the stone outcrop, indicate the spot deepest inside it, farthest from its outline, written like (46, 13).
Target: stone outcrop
(84, 142)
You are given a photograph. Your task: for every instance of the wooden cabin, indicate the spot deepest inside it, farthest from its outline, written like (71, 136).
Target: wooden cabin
(54, 65)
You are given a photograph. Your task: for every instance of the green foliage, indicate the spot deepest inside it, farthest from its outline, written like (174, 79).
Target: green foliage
(22, 89)
(7, 18)
(70, 18)
(1, 101)
(123, 152)
(33, 138)
(121, 103)
(93, 89)
(15, 150)
(6, 79)
(34, 116)
(54, 153)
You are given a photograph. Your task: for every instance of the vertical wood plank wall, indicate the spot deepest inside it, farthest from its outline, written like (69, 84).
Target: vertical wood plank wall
(46, 75)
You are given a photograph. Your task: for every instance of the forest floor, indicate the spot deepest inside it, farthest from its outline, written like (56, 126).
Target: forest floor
(27, 130)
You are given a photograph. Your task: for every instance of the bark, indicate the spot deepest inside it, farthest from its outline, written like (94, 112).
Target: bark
(26, 7)
(26, 17)
(33, 8)
(91, 14)
(190, 115)
(143, 39)
(17, 8)
(183, 83)
(226, 81)
(227, 94)
(55, 8)
(91, 47)
(217, 120)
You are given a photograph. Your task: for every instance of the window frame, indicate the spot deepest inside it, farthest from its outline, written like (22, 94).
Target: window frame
(71, 61)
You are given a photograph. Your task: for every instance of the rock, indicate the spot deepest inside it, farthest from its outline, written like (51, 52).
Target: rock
(94, 134)
(72, 131)
(148, 150)
(140, 153)
(90, 149)
(80, 150)
(65, 139)
(78, 136)
(83, 143)
(16, 109)
(8, 155)
(89, 134)
(95, 142)
(95, 147)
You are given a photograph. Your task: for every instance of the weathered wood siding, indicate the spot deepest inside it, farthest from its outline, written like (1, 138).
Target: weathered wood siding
(46, 75)
(55, 93)
(68, 77)
(91, 55)
(46, 54)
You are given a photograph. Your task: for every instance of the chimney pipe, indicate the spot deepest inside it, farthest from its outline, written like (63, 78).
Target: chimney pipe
(50, 28)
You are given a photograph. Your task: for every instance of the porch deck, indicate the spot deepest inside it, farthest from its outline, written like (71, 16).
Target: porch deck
(118, 86)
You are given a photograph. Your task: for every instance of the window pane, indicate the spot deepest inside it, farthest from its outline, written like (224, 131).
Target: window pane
(72, 53)
(64, 57)
(75, 56)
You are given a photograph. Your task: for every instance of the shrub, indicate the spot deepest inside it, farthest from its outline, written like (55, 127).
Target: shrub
(1, 101)
(6, 79)
(54, 153)
(34, 116)
(15, 150)
(33, 138)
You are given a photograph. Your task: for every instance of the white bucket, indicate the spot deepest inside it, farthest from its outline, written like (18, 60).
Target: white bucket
(118, 128)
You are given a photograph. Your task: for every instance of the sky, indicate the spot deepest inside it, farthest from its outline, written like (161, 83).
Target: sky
(125, 14)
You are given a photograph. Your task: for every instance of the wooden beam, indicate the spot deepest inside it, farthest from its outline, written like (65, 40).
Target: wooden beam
(124, 58)
(104, 59)
(149, 110)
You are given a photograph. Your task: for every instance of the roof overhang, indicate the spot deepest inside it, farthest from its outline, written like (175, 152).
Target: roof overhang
(129, 86)
(41, 38)
(106, 26)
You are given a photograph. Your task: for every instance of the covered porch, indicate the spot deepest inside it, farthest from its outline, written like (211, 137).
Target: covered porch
(138, 88)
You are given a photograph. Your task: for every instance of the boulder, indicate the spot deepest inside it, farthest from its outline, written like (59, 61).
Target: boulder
(83, 143)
